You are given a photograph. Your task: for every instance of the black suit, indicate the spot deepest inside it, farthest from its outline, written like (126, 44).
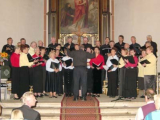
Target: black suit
(52, 46)
(4, 49)
(87, 45)
(71, 46)
(29, 113)
(154, 45)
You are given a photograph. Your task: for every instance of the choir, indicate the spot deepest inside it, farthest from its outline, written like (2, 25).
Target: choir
(82, 68)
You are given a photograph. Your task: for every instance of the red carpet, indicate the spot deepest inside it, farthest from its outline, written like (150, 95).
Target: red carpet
(80, 110)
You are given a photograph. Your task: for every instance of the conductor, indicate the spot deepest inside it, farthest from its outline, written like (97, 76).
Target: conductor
(80, 70)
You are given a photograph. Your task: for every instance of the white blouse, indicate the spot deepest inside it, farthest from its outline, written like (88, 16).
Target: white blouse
(109, 63)
(67, 58)
(48, 65)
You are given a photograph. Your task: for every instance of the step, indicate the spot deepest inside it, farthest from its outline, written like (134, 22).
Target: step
(7, 111)
(44, 117)
(103, 110)
(118, 117)
(6, 104)
(103, 116)
(121, 104)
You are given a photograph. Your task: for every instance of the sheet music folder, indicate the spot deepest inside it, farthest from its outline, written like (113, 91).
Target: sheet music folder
(129, 58)
(145, 62)
(95, 65)
(114, 62)
(68, 62)
(54, 65)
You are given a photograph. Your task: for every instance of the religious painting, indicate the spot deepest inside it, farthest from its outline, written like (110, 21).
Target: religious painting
(79, 14)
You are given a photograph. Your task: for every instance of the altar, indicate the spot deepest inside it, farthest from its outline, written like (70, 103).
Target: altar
(91, 20)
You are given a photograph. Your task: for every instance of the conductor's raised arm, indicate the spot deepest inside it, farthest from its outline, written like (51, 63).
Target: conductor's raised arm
(90, 55)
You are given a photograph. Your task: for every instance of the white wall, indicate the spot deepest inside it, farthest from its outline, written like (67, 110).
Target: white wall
(21, 18)
(139, 18)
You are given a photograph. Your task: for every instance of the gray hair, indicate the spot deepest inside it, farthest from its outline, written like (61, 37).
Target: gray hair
(149, 36)
(33, 42)
(25, 96)
(40, 41)
(133, 37)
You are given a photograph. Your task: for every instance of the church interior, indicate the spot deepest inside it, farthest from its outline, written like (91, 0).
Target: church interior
(44, 20)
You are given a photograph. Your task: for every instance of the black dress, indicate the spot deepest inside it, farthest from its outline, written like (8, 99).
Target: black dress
(129, 89)
(112, 83)
(37, 79)
(68, 79)
(15, 79)
(44, 76)
(89, 80)
(52, 82)
(121, 82)
(24, 81)
(97, 86)
(52, 78)
(60, 82)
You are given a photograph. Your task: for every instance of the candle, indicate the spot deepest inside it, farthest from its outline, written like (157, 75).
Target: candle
(59, 41)
(92, 41)
(64, 40)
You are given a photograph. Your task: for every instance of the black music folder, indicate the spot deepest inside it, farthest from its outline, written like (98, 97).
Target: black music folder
(145, 62)
(95, 65)
(68, 62)
(54, 65)
(32, 59)
(114, 62)
(130, 59)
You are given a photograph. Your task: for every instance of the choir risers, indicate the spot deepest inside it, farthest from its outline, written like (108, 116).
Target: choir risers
(121, 104)
(18, 104)
(56, 110)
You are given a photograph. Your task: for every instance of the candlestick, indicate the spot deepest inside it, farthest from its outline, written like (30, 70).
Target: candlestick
(93, 41)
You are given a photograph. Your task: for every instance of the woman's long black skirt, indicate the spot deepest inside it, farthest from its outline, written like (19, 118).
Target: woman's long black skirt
(52, 82)
(121, 82)
(31, 72)
(68, 79)
(141, 83)
(38, 79)
(112, 83)
(60, 82)
(97, 86)
(24, 80)
(15, 79)
(89, 81)
(130, 86)
(44, 76)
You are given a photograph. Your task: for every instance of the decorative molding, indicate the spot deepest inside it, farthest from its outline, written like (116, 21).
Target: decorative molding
(105, 9)
(45, 19)
(112, 19)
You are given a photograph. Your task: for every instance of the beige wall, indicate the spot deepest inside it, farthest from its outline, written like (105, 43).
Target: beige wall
(139, 18)
(21, 18)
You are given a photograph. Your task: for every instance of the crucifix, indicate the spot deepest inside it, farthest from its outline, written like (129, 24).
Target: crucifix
(79, 34)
